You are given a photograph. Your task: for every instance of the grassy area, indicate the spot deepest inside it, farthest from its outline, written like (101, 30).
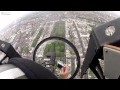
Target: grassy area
(91, 74)
(37, 38)
(58, 30)
(26, 50)
(59, 47)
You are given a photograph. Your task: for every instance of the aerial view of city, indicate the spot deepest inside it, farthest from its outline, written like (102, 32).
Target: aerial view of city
(26, 32)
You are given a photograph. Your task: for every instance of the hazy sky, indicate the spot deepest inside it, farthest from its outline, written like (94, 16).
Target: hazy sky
(117, 12)
(6, 17)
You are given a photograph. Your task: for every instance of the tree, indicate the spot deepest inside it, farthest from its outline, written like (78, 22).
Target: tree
(62, 48)
(26, 50)
(51, 47)
(62, 54)
(37, 38)
(58, 53)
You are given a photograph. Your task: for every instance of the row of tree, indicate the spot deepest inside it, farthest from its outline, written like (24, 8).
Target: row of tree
(37, 38)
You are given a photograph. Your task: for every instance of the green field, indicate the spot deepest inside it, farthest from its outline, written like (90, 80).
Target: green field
(59, 46)
(26, 50)
(58, 29)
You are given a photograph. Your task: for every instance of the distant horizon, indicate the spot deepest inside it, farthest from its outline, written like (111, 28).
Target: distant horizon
(7, 17)
(116, 12)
